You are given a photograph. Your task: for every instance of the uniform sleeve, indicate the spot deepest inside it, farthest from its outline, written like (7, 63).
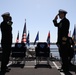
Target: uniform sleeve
(55, 23)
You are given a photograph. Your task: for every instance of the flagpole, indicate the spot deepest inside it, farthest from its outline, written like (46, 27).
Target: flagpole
(26, 29)
(17, 39)
(38, 37)
(24, 34)
(75, 32)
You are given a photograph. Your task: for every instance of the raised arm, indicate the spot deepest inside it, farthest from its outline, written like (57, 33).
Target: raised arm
(55, 21)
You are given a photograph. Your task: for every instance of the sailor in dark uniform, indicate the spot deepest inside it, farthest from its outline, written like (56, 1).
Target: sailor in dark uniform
(6, 41)
(63, 30)
(70, 45)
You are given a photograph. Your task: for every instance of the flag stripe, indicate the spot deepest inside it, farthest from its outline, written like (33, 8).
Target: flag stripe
(17, 40)
(74, 34)
(48, 39)
(27, 40)
(24, 34)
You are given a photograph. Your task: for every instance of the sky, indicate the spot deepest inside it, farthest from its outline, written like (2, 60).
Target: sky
(39, 15)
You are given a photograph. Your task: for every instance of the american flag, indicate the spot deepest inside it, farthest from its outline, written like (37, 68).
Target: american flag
(74, 34)
(48, 39)
(17, 40)
(24, 34)
(27, 39)
(37, 38)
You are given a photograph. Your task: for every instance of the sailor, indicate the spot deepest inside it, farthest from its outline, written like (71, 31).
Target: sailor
(70, 45)
(63, 30)
(6, 41)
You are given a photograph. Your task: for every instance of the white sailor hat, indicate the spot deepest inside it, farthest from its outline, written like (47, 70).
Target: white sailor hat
(6, 14)
(62, 11)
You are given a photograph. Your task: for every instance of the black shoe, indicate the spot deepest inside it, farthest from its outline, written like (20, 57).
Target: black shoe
(71, 64)
(4, 70)
(2, 73)
(61, 69)
(67, 73)
(7, 68)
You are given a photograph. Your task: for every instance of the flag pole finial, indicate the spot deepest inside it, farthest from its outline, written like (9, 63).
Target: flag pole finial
(25, 20)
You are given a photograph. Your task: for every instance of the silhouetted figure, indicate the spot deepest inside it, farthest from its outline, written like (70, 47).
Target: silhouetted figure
(63, 29)
(6, 41)
(70, 45)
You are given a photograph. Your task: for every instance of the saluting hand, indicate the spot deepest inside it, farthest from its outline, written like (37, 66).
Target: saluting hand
(56, 17)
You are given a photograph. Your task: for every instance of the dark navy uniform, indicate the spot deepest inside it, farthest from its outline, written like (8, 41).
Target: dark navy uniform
(63, 29)
(70, 45)
(6, 41)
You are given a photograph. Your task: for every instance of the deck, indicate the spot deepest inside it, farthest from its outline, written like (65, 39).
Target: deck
(30, 68)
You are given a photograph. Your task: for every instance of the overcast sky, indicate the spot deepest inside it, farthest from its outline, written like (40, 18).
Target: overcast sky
(39, 15)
